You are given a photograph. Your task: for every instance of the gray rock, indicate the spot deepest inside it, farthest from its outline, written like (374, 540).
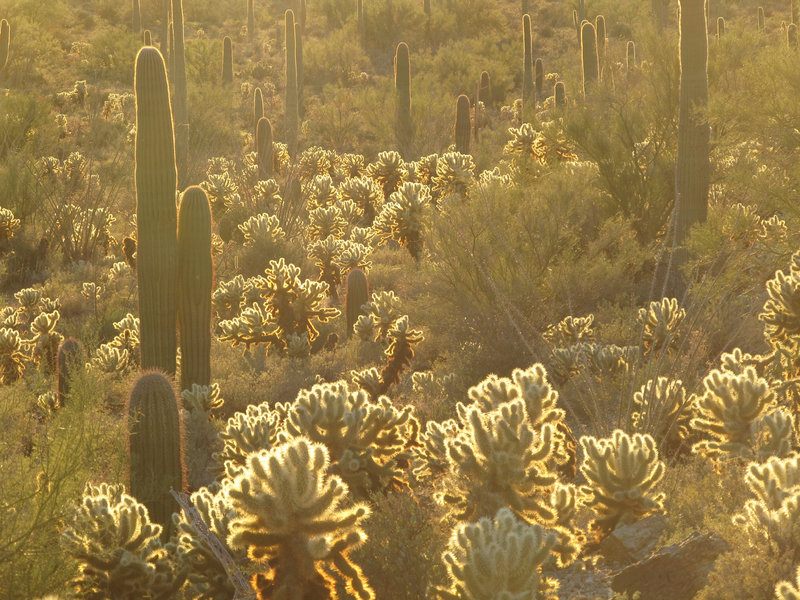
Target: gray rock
(631, 543)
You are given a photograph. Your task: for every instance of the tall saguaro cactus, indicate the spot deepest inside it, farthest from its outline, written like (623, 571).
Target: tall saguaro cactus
(528, 90)
(404, 128)
(291, 111)
(157, 217)
(693, 166)
(264, 148)
(180, 104)
(258, 106)
(137, 17)
(195, 274)
(227, 60)
(462, 124)
(298, 54)
(590, 67)
(5, 44)
(600, 36)
(538, 78)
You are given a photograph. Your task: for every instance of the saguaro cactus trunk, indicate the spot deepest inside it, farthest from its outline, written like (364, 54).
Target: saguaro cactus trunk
(291, 113)
(402, 84)
(180, 104)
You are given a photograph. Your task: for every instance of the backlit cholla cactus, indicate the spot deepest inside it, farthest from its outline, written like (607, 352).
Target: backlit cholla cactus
(351, 213)
(258, 428)
(570, 330)
(207, 578)
(366, 193)
(389, 170)
(455, 173)
(262, 231)
(380, 315)
(771, 517)
(786, 590)
(350, 166)
(12, 356)
(127, 338)
(660, 322)
(493, 180)
(781, 316)
(402, 341)
(405, 217)
(8, 226)
(622, 472)
(314, 161)
(430, 457)
(267, 196)
(296, 517)
(662, 409)
(110, 359)
(426, 168)
(324, 222)
(366, 439)
(733, 413)
(220, 189)
(28, 300)
(230, 296)
(354, 255)
(118, 549)
(496, 558)
(325, 253)
(320, 192)
(45, 339)
(202, 398)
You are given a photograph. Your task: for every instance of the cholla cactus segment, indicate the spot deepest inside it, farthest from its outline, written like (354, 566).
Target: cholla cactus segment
(728, 411)
(366, 328)
(204, 398)
(320, 192)
(455, 172)
(781, 315)
(385, 308)
(496, 558)
(12, 356)
(388, 170)
(258, 428)
(8, 225)
(662, 408)
(325, 254)
(207, 578)
(268, 195)
(351, 213)
(110, 359)
(402, 340)
(91, 290)
(365, 439)
(622, 472)
(351, 165)
(220, 188)
(405, 217)
(118, 549)
(254, 325)
(353, 255)
(368, 380)
(786, 590)
(430, 457)
(45, 339)
(366, 193)
(771, 517)
(661, 321)
(28, 300)
(570, 330)
(774, 434)
(326, 221)
(230, 296)
(736, 361)
(291, 512)
(262, 230)
(315, 161)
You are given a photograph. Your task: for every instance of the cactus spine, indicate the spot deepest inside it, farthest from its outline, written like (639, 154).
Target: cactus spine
(356, 296)
(181, 101)
(70, 358)
(157, 219)
(693, 132)
(527, 69)
(589, 64)
(402, 86)
(462, 129)
(264, 148)
(137, 17)
(291, 112)
(258, 106)
(600, 35)
(5, 44)
(155, 446)
(195, 274)
(538, 78)
(251, 19)
(227, 60)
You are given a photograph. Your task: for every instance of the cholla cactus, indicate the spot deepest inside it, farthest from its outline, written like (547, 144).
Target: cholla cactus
(289, 513)
(366, 193)
(622, 472)
(570, 330)
(45, 339)
(772, 516)
(28, 300)
(366, 328)
(127, 337)
(388, 170)
(118, 549)
(786, 590)
(220, 188)
(351, 165)
(110, 359)
(325, 254)
(366, 439)
(267, 195)
(203, 398)
(546, 147)
(383, 310)
(326, 221)
(230, 296)
(314, 161)
(660, 322)
(454, 174)
(258, 428)
(402, 341)
(320, 192)
(405, 217)
(781, 315)
(498, 558)
(731, 413)
(662, 408)
(12, 356)
(430, 457)
(8, 226)
(354, 255)
(262, 230)
(351, 213)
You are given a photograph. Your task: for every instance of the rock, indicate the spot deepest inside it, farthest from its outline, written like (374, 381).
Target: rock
(675, 572)
(631, 543)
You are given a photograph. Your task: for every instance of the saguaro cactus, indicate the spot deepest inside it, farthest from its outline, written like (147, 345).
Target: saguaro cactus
(527, 69)
(147, 38)
(462, 127)
(589, 65)
(251, 19)
(630, 56)
(538, 78)
(70, 357)
(560, 94)
(195, 274)
(227, 60)
(137, 17)
(291, 111)
(258, 106)
(180, 103)
(362, 32)
(155, 446)
(720, 27)
(5, 44)
(264, 148)
(600, 36)
(298, 57)
(404, 129)
(760, 18)
(157, 217)
(486, 89)
(693, 167)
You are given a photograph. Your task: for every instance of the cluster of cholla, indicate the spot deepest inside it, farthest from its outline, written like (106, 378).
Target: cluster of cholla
(28, 334)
